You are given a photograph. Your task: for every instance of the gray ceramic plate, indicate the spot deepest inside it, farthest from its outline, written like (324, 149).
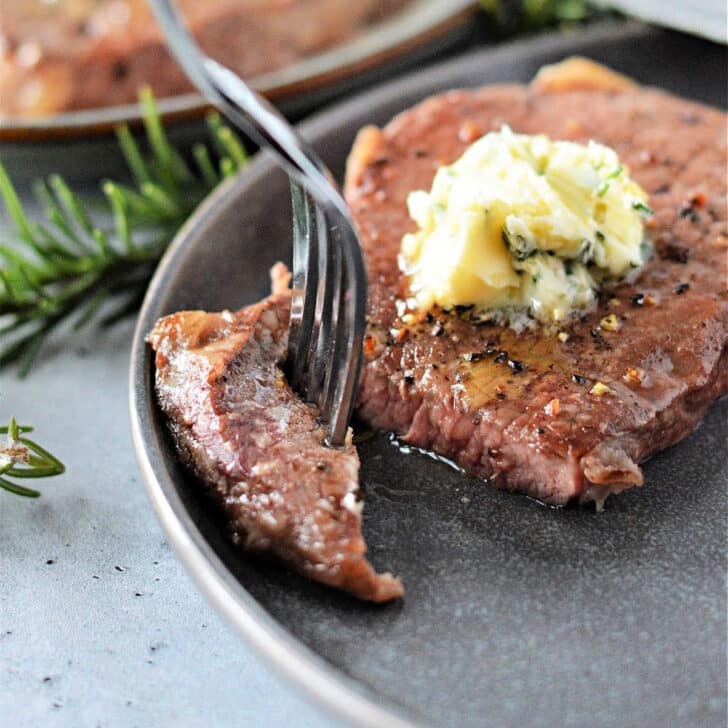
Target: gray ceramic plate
(516, 614)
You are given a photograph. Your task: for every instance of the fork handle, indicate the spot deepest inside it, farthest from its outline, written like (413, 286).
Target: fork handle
(261, 120)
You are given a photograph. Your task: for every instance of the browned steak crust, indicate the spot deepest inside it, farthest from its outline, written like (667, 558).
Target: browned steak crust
(521, 409)
(259, 448)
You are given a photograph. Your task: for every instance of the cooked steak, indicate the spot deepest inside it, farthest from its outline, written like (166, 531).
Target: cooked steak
(77, 54)
(559, 420)
(258, 447)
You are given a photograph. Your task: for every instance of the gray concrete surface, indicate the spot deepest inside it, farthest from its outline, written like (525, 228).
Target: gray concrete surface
(99, 623)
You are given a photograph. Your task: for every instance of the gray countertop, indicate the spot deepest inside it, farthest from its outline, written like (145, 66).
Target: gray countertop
(99, 623)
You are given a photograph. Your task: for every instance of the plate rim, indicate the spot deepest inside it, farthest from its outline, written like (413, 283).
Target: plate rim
(390, 38)
(302, 666)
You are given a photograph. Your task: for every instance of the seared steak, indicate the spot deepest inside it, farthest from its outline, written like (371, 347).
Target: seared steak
(524, 408)
(258, 447)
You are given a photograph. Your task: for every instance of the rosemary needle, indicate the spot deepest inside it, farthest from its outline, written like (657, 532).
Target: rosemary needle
(69, 268)
(21, 457)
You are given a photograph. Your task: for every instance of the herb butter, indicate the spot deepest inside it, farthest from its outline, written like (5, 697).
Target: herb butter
(525, 229)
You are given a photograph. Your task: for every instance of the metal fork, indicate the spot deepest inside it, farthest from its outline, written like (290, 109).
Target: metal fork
(329, 286)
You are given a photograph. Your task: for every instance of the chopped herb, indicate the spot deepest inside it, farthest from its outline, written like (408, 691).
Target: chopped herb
(682, 288)
(606, 182)
(521, 248)
(645, 249)
(642, 207)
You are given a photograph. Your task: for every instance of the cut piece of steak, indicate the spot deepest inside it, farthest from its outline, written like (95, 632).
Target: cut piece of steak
(258, 447)
(524, 408)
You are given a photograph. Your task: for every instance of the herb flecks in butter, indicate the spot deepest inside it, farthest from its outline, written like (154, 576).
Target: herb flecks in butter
(525, 228)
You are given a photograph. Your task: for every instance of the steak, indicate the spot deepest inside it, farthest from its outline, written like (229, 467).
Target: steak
(559, 420)
(258, 447)
(78, 54)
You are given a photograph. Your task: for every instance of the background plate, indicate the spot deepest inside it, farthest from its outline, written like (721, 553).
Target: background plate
(80, 146)
(515, 614)
(294, 87)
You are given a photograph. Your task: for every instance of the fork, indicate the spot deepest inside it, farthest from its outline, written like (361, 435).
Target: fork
(329, 284)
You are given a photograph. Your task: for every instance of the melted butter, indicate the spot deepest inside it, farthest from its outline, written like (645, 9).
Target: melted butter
(491, 377)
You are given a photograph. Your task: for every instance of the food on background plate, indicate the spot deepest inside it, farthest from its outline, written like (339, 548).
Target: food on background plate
(563, 410)
(82, 54)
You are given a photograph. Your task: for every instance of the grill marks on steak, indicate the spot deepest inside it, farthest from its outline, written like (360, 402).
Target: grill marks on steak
(260, 449)
(493, 414)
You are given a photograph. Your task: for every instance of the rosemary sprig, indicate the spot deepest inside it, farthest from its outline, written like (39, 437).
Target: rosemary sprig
(21, 457)
(70, 267)
(530, 15)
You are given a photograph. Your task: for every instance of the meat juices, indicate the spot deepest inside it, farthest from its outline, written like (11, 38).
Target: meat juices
(558, 420)
(258, 447)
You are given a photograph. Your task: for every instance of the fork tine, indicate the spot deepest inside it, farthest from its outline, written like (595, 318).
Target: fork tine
(321, 329)
(345, 360)
(332, 349)
(328, 306)
(304, 285)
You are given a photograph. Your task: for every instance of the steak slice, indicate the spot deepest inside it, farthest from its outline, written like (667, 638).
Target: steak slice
(521, 409)
(259, 448)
